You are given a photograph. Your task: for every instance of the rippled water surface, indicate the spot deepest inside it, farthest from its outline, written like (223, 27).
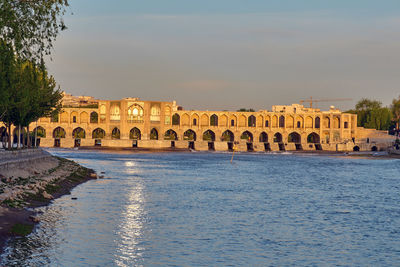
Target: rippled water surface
(198, 209)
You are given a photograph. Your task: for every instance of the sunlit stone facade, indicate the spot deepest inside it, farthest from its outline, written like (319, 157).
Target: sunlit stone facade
(132, 122)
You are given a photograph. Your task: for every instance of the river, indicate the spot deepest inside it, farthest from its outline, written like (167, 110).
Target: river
(198, 209)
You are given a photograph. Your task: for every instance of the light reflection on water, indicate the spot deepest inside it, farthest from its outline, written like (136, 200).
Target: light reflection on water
(197, 209)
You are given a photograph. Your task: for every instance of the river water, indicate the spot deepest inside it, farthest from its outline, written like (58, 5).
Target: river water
(198, 209)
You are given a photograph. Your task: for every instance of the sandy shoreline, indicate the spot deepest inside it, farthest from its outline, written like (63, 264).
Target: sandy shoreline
(32, 185)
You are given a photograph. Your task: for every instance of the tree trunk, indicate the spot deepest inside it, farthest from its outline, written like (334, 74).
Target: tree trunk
(19, 136)
(36, 135)
(9, 135)
(28, 141)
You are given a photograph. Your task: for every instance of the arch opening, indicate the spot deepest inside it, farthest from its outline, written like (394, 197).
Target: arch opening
(313, 138)
(294, 138)
(281, 121)
(189, 135)
(263, 137)
(170, 135)
(251, 121)
(176, 119)
(209, 136)
(154, 134)
(98, 133)
(39, 132)
(94, 117)
(317, 123)
(78, 133)
(278, 138)
(214, 120)
(248, 136)
(135, 134)
(59, 132)
(227, 136)
(116, 133)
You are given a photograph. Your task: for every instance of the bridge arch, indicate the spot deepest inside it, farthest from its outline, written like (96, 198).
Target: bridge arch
(39, 132)
(154, 134)
(98, 133)
(313, 138)
(317, 123)
(214, 120)
(84, 117)
(135, 134)
(223, 121)
(176, 119)
(185, 119)
(232, 121)
(251, 121)
(195, 120)
(247, 135)
(94, 117)
(282, 121)
(204, 120)
(170, 135)
(294, 137)
(79, 133)
(242, 121)
(227, 136)
(59, 132)
(309, 122)
(116, 133)
(209, 136)
(290, 122)
(189, 135)
(278, 137)
(263, 137)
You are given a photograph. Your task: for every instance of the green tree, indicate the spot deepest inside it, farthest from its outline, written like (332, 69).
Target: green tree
(364, 108)
(371, 114)
(40, 96)
(395, 107)
(379, 118)
(246, 110)
(31, 26)
(7, 81)
(27, 92)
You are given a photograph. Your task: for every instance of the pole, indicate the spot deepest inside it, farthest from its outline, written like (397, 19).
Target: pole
(233, 153)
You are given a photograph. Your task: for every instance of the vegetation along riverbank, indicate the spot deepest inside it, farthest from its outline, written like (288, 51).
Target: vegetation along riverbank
(29, 179)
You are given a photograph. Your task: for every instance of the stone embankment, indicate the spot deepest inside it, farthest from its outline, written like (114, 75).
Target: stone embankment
(31, 172)
(18, 157)
(30, 178)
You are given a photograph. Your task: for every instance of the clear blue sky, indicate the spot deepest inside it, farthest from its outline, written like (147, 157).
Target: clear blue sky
(227, 54)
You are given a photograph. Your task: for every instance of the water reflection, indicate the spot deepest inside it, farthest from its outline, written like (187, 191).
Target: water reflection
(131, 227)
(24, 251)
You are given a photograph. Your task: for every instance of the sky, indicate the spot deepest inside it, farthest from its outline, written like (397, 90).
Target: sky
(231, 54)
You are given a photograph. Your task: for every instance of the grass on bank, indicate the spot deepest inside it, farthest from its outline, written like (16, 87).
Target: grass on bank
(22, 229)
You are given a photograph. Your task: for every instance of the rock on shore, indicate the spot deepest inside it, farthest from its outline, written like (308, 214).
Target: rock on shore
(33, 183)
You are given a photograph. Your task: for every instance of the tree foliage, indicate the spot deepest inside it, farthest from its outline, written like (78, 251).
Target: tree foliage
(371, 114)
(395, 107)
(27, 92)
(31, 26)
(246, 110)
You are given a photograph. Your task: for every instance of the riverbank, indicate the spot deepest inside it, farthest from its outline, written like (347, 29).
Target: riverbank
(28, 183)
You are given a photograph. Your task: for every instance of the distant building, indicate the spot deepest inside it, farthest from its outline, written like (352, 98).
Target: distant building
(131, 122)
